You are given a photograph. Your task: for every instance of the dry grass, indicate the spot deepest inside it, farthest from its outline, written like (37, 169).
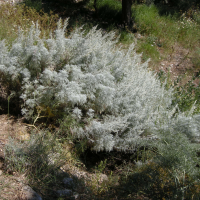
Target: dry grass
(20, 16)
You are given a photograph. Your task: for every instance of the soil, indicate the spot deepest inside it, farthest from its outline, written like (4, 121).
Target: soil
(11, 127)
(11, 187)
(11, 183)
(178, 63)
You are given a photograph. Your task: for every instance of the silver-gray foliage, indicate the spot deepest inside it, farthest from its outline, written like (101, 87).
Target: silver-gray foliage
(89, 77)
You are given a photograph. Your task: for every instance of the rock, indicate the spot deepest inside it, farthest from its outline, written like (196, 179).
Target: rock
(75, 195)
(68, 182)
(100, 177)
(24, 136)
(52, 158)
(103, 177)
(1, 172)
(139, 36)
(30, 193)
(65, 192)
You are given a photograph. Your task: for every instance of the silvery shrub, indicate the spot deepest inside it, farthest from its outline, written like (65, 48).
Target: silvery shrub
(88, 76)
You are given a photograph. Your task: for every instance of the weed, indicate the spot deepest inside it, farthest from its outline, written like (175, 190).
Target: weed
(149, 51)
(102, 165)
(187, 96)
(164, 31)
(126, 38)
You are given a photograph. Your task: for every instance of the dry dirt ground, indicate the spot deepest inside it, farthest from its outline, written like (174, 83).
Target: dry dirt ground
(11, 183)
(178, 63)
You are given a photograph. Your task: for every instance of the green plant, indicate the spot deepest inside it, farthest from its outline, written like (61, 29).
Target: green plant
(164, 31)
(179, 157)
(196, 15)
(171, 173)
(149, 51)
(126, 38)
(101, 166)
(104, 98)
(99, 184)
(187, 96)
(159, 31)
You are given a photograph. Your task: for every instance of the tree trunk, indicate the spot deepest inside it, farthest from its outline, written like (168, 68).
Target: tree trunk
(95, 6)
(126, 12)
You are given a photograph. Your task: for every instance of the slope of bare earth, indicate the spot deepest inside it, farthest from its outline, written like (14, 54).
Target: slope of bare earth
(178, 63)
(11, 184)
(11, 127)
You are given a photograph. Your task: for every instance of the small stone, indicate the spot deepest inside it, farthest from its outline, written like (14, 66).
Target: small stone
(24, 137)
(1, 172)
(30, 193)
(139, 163)
(75, 195)
(103, 178)
(139, 36)
(64, 192)
(68, 182)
